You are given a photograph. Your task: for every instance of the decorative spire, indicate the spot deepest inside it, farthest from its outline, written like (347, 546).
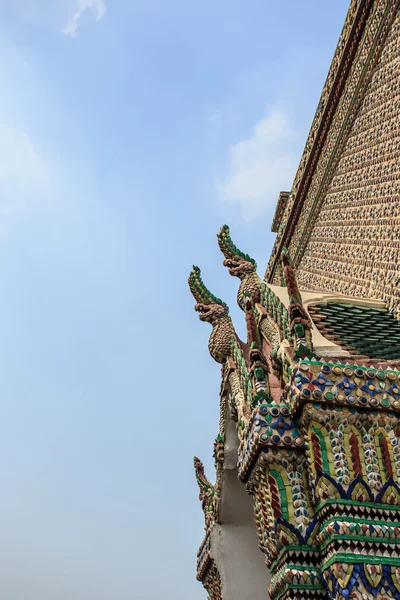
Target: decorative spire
(300, 323)
(253, 334)
(290, 278)
(258, 366)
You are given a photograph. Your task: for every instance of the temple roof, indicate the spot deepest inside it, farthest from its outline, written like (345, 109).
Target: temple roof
(364, 330)
(341, 221)
(330, 96)
(279, 211)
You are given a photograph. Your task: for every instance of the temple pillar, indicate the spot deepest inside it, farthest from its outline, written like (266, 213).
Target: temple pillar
(274, 466)
(349, 418)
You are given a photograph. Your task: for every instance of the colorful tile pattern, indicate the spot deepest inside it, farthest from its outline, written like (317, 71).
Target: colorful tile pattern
(319, 437)
(346, 236)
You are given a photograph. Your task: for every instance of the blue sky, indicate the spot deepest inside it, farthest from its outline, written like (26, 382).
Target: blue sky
(129, 132)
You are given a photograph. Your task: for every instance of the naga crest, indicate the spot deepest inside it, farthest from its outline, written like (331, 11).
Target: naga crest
(207, 494)
(238, 263)
(216, 312)
(209, 306)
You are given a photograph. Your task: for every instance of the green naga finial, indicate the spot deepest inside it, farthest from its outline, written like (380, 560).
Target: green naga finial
(231, 252)
(207, 494)
(209, 306)
(216, 312)
(240, 265)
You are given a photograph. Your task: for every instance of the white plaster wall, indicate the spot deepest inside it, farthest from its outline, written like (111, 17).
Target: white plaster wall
(244, 575)
(234, 543)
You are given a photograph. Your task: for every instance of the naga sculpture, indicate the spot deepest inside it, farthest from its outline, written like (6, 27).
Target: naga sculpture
(216, 312)
(253, 291)
(207, 495)
(240, 265)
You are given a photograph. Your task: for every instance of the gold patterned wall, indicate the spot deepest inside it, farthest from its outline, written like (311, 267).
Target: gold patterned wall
(354, 245)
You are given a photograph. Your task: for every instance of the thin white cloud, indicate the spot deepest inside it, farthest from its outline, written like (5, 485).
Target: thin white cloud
(97, 7)
(19, 159)
(214, 117)
(261, 166)
(24, 173)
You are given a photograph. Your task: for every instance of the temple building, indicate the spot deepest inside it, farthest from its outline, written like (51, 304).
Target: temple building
(306, 499)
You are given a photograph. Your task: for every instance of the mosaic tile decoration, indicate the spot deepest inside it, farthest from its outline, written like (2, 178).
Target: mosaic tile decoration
(319, 437)
(346, 238)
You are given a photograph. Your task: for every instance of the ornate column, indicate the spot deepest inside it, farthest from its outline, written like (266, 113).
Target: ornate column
(274, 466)
(349, 417)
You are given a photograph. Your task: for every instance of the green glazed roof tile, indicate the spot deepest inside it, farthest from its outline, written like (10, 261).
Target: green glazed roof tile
(366, 330)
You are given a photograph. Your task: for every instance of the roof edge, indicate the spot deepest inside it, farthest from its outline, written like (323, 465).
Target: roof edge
(346, 49)
(279, 211)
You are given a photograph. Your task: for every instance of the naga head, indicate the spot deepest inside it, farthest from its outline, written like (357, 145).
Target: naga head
(209, 307)
(238, 263)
